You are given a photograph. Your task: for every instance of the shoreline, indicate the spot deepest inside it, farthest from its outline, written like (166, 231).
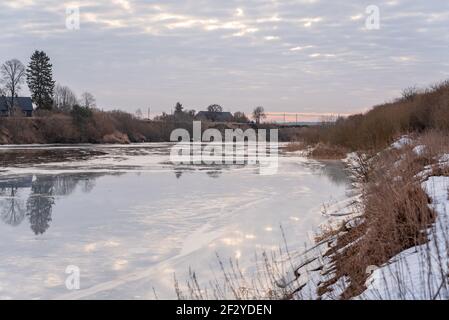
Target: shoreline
(325, 267)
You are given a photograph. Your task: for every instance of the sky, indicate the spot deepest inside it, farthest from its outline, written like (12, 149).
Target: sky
(311, 57)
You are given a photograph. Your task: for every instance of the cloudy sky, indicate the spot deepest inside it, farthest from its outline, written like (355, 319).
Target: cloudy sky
(309, 56)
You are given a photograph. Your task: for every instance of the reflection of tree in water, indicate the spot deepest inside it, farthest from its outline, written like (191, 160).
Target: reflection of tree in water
(178, 174)
(215, 174)
(65, 184)
(336, 173)
(12, 208)
(212, 171)
(40, 204)
(87, 185)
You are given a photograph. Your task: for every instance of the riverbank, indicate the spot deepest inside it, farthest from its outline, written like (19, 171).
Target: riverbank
(391, 243)
(389, 239)
(384, 244)
(114, 127)
(94, 127)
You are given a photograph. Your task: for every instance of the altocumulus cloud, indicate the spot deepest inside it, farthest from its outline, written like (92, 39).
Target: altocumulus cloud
(306, 56)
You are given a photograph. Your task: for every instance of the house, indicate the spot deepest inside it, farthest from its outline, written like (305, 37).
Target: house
(214, 116)
(23, 103)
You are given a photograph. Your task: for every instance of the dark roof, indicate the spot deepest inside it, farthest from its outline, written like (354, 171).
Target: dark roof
(24, 103)
(215, 116)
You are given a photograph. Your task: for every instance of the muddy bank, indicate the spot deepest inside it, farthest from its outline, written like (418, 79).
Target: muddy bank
(20, 157)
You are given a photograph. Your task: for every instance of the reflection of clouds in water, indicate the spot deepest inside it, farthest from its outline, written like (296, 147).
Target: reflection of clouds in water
(120, 264)
(152, 224)
(231, 241)
(92, 247)
(54, 280)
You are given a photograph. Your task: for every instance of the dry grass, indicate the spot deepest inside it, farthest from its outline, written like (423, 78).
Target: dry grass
(328, 152)
(396, 214)
(96, 127)
(233, 284)
(376, 129)
(295, 146)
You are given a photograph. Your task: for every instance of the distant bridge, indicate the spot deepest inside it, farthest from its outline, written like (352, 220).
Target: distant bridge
(298, 118)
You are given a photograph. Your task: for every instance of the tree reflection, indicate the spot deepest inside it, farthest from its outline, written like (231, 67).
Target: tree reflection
(40, 204)
(336, 173)
(178, 174)
(214, 174)
(38, 207)
(12, 208)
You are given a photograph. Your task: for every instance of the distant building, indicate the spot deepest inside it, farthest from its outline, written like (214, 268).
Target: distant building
(214, 116)
(23, 103)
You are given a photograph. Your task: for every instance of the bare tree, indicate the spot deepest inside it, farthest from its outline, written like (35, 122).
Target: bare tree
(410, 93)
(12, 209)
(259, 114)
(64, 98)
(88, 100)
(12, 76)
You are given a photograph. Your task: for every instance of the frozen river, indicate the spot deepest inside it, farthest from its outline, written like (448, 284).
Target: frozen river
(129, 219)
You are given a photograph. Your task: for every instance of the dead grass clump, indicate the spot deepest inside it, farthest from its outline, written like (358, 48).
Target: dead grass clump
(295, 146)
(328, 152)
(268, 283)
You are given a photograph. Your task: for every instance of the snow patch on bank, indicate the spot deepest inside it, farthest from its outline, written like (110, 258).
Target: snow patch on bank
(402, 142)
(420, 272)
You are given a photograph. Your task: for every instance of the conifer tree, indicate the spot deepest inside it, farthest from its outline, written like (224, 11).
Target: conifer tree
(40, 80)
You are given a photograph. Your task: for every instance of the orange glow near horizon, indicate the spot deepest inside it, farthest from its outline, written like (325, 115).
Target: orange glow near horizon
(301, 117)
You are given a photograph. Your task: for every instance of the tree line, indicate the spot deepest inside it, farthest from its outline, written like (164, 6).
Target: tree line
(38, 76)
(49, 96)
(181, 114)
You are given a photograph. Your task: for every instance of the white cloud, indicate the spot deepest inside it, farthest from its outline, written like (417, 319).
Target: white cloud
(299, 48)
(125, 4)
(211, 49)
(239, 12)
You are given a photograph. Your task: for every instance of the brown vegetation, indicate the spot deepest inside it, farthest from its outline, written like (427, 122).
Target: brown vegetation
(92, 127)
(328, 152)
(86, 125)
(395, 215)
(417, 111)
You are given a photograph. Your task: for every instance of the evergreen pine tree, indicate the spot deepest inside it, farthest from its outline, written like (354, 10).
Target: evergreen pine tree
(40, 80)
